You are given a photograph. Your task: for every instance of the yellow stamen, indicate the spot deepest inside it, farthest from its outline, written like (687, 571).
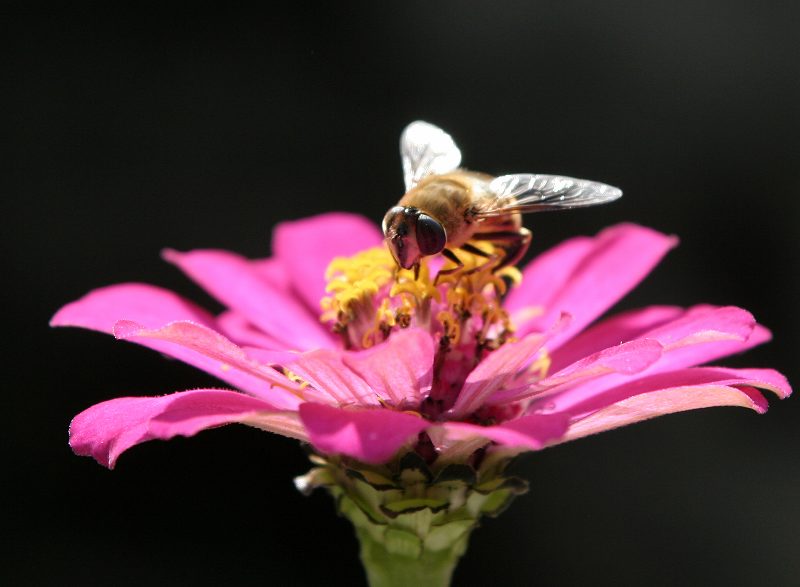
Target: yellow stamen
(368, 297)
(450, 324)
(294, 378)
(541, 364)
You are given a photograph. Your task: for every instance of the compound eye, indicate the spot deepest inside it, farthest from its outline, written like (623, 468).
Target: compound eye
(390, 217)
(431, 237)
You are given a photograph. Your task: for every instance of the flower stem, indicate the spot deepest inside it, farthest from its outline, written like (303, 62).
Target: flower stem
(395, 564)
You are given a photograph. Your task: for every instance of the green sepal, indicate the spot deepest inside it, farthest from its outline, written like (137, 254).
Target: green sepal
(413, 519)
(457, 472)
(412, 505)
(374, 479)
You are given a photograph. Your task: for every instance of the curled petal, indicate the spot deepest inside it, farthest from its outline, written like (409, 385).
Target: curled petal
(667, 401)
(106, 430)
(134, 307)
(214, 353)
(306, 247)
(370, 435)
(612, 331)
(400, 369)
(706, 333)
(585, 277)
(679, 391)
(682, 378)
(705, 324)
(238, 284)
(730, 329)
(699, 335)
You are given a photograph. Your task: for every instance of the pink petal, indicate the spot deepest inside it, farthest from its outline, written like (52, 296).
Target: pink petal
(148, 305)
(610, 332)
(238, 329)
(695, 376)
(667, 401)
(212, 352)
(306, 247)
(736, 331)
(700, 335)
(106, 430)
(494, 372)
(547, 275)
(678, 391)
(238, 284)
(706, 333)
(532, 432)
(706, 324)
(625, 359)
(370, 435)
(152, 307)
(270, 358)
(585, 278)
(400, 369)
(328, 375)
(768, 379)
(272, 271)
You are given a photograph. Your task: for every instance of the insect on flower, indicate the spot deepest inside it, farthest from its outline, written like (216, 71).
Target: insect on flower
(445, 207)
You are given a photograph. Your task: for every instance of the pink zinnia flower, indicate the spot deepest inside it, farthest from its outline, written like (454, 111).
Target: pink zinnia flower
(558, 380)
(415, 393)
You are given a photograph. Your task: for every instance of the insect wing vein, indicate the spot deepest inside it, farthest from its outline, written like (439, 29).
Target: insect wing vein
(425, 150)
(538, 192)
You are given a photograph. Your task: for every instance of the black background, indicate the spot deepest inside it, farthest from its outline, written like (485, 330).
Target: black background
(138, 129)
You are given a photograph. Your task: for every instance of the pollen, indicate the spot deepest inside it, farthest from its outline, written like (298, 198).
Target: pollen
(300, 383)
(357, 306)
(541, 366)
(369, 297)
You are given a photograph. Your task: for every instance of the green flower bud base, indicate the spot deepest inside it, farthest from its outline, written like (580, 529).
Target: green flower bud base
(413, 520)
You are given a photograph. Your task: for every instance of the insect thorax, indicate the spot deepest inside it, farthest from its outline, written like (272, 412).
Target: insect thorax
(449, 199)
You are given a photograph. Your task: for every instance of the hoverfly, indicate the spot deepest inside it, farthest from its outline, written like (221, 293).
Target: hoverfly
(445, 207)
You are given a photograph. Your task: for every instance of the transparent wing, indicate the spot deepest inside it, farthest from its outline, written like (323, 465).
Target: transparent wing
(426, 150)
(527, 192)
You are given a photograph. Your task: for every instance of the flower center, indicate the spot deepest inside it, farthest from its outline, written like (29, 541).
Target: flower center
(369, 297)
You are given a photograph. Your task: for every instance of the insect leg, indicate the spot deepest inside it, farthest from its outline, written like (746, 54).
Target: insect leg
(452, 257)
(470, 248)
(475, 251)
(513, 243)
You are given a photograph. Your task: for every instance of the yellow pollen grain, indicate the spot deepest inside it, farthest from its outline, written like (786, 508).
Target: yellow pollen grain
(419, 290)
(541, 364)
(298, 393)
(384, 319)
(452, 328)
(295, 378)
(368, 296)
